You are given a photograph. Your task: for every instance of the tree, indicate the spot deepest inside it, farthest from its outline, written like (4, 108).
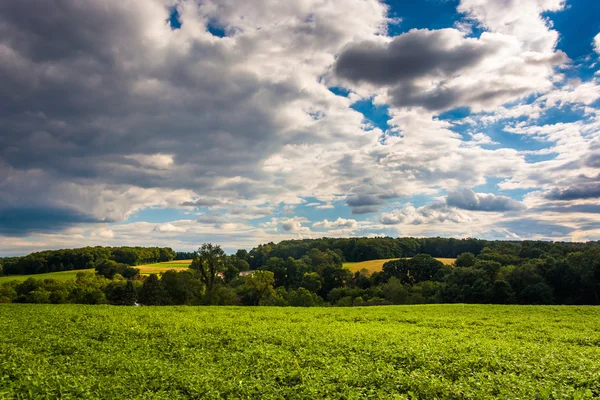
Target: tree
(153, 293)
(421, 267)
(395, 292)
(259, 285)
(465, 260)
(312, 281)
(209, 260)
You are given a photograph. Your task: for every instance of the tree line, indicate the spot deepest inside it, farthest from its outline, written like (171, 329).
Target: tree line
(364, 249)
(83, 258)
(501, 273)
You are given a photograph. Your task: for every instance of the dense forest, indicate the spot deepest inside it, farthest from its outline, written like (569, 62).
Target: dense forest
(310, 272)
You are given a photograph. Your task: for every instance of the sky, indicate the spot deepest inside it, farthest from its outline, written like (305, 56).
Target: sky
(175, 123)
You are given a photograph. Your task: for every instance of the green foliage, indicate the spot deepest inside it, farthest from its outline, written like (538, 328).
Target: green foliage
(83, 258)
(403, 352)
(465, 260)
(209, 260)
(420, 268)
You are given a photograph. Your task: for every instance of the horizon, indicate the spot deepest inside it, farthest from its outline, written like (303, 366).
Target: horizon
(179, 122)
(230, 251)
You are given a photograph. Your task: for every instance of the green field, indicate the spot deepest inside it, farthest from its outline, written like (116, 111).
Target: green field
(404, 352)
(146, 269)
(61, 276)
(377, 265)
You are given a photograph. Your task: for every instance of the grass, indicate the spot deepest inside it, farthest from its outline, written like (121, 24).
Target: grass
(377, 265)
(395, 352)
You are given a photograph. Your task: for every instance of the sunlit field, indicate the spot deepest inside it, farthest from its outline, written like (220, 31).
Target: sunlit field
(403, 352)
(146, 269)
(377, 265)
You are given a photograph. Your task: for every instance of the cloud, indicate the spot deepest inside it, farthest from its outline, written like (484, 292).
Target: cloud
(392, 218)
(412, 55)
(467, 199)
(294, 225)
(107, 111)
(574, 193)
(442, 69)
(168, 228)
(596, 43)
(20, 221)
(434, 213)
(214, 218)
(201, 203)
(338, 223)
(364, 203)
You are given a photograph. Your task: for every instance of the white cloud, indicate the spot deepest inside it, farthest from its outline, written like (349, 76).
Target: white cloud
(338, 223)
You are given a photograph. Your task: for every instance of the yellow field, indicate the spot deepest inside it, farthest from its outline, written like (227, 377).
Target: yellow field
(377, 265)
(156, 268)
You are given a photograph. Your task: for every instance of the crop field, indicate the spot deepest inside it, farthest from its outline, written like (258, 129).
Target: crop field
(377, 265)
(402, 352)
(147, 269)
(61, 276)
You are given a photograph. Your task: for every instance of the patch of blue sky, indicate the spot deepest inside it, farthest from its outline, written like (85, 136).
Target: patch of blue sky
(516, 141)
(174, 19)
(216, 30)
(426, 14)
(565, 114)
(535, 158)
(577, 23)
(454, 114)
(339, 209)
(421, 14)
(339, 91)
(376, 115)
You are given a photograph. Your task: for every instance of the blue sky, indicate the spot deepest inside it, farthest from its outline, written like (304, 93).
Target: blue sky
(174, 123)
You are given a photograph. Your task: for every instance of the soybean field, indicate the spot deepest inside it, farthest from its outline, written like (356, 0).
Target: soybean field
(393, 352)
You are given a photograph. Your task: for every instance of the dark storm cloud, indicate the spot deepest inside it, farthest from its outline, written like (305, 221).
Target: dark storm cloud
(412, 55)
(22, 221)
(582, 192)
(467, 199)
(87, 86)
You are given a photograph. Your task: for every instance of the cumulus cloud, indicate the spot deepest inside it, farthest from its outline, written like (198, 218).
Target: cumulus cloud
(415, 54)
(443, 69)
(294, 224)
(392, 218)
(596, 43)
(106, 110)
(338, 223)
(467, 199)
(433, 213)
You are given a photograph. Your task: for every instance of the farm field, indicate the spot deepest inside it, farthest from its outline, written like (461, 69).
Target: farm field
(377, 265)
(66, 275)
(61, 276)
(402, 352)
